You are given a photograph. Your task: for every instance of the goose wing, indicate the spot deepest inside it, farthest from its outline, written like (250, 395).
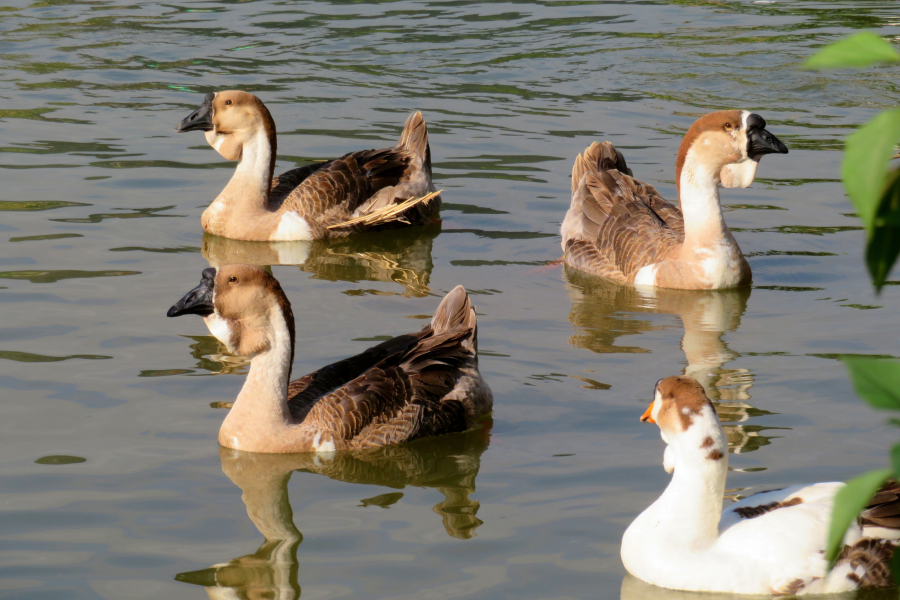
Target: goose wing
(411, 386)
(616, 225)
(331, 192)
(787, 529)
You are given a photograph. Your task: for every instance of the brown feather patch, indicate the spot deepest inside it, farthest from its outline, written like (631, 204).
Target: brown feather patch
(751, 512)
(681, 398)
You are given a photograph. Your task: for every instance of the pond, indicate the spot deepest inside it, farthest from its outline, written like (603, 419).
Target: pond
(112, 484)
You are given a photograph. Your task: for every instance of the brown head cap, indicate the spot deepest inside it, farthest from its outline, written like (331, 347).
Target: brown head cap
(680, 399)
(246, 296)
(719, 131)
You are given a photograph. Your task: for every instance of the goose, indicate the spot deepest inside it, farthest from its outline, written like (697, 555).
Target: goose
(768, 543)
(622, 229)
(370, 189)
(412, 386)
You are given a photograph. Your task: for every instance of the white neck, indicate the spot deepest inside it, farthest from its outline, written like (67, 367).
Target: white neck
(704, 224)
(251, 180)
(262, 404)
(684, 521)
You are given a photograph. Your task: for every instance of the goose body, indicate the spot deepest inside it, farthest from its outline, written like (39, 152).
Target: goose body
(768, 543)
(369, 189)
(622, 229)
(412, 386)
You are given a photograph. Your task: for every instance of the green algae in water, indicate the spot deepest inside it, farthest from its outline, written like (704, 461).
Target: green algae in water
(60, 459)
(36, 205)
(54, 276)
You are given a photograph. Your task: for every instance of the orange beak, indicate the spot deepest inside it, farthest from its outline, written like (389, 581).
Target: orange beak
(647, 417)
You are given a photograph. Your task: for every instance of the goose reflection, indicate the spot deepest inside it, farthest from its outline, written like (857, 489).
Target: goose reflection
(449, 464)
(603, 311)
(399, 256)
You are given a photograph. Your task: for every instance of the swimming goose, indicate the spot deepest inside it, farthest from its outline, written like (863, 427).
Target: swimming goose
(767, 543)
(371, 189)
(622, 229)
(412, 386)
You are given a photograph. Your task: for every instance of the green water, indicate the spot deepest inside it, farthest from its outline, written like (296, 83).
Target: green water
(101, 201)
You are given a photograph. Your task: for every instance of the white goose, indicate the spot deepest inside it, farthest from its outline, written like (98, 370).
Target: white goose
(769, 543)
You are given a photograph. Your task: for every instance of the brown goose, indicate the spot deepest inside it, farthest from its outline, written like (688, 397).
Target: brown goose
(412, 386)
(371, 189)
(622, 229)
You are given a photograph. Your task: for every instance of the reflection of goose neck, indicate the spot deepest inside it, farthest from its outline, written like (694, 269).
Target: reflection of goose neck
(263, 482)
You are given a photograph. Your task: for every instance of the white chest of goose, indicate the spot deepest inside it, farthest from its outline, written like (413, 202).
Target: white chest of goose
(768, 543)
(412, 386)
(622, 229)
(365, 190)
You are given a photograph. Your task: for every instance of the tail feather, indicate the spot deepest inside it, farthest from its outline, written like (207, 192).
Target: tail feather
(401, 213)
(455, 312)
(598, 157)
(415, 137)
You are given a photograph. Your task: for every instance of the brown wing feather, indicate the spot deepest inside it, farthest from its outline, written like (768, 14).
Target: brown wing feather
(335, 189)
(616, 224)
(287, 182)
(883, 510)
(401, 389)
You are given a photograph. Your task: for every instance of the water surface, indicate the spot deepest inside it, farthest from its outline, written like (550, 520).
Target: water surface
(101, 234)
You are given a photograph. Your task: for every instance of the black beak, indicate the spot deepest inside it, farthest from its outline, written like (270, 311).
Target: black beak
(761, 142)
(199, 119)
(198, 301)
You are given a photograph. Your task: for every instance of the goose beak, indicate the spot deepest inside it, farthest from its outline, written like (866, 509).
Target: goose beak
(198, 301)
(762, 142)
(200, 119)
(647, 417)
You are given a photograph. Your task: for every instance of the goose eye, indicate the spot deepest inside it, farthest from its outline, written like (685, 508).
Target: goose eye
(728, 127)
(228, 103)
(232, 279)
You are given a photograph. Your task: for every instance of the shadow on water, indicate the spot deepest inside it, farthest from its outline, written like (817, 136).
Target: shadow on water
(448, 463)
(603, 311)
(401, 256)
(635, 589)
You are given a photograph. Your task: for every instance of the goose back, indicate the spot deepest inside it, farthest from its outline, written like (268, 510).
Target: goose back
(410, 386)
(616, 224)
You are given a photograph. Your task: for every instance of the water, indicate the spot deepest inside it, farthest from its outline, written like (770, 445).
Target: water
(101, 234)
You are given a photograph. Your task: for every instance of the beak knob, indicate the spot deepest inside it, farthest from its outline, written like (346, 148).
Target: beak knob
(200, 119)
(198, 301)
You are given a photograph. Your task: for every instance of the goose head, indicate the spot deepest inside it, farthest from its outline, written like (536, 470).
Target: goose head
(231, 120)
(243, 306)
(726, 146)
(687, 422)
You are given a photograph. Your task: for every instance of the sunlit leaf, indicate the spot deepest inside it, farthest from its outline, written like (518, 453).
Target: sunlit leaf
(860, 50)
(848, 503)
(884, 241)
(865, 164)
(875, 381)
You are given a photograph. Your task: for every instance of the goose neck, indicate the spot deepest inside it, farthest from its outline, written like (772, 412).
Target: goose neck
(261, 409)
(704, 224)
(249, 186)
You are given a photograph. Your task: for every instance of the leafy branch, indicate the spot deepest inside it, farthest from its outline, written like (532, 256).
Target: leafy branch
(874, 190)
(873, 187)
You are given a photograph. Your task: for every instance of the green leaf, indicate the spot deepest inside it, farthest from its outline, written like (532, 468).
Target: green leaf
(848, 503)
(860, 50)
(895, 459)
(865, 165)
(883, 247)
(875, 381)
